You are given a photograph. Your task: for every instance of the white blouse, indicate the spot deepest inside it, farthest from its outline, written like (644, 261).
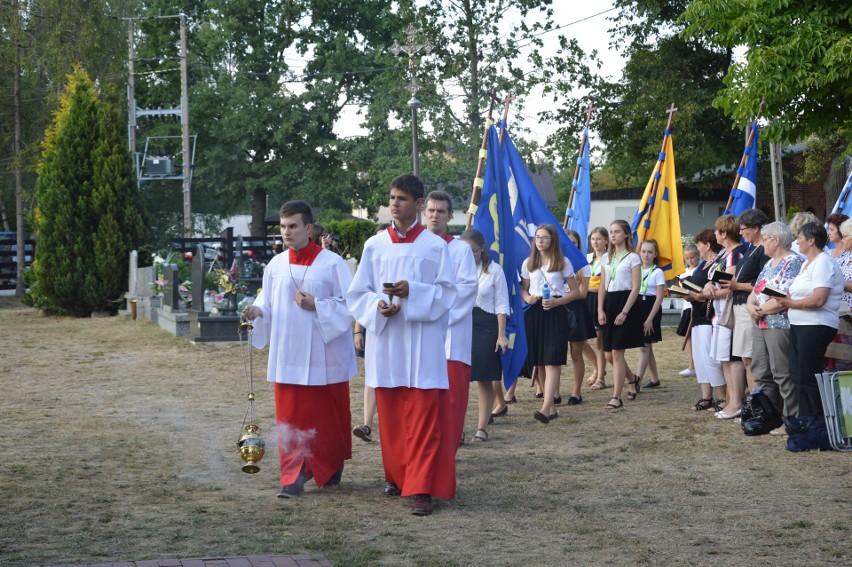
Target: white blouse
(821, 272)
(556, 280)
(493, 294)
(618, 272)
(653, 277)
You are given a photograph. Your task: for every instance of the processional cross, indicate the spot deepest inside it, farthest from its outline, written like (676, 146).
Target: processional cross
(411, 48)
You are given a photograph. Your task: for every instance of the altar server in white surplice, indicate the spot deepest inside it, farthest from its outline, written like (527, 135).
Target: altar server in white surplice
(302, 315)
(439, 211)
(402, 294)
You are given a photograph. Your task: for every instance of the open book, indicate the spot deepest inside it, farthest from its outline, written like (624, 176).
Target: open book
(691, 286)
(678, 290)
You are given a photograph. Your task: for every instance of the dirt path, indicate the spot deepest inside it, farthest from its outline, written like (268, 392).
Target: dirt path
(118, 444)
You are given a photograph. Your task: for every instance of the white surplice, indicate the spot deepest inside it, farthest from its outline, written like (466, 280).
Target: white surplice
(460, 333)
(309, 348)
(406, 349)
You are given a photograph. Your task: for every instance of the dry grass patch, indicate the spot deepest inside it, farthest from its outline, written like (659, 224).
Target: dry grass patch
(119, 445)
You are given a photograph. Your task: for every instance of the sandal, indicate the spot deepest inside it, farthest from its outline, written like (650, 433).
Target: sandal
(703, 404)
(637, 387)
(599, 385)
(593, 379)
(718, 405)
(479, 438)
(612, 406)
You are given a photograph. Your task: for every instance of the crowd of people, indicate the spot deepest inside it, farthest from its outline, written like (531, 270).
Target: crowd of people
(428, 312)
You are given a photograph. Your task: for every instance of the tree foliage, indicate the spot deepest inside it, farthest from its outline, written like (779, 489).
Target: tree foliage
(88, 217)
(661, 69)
(798, 57)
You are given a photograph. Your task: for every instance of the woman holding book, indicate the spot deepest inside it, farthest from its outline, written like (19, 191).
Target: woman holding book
(771, 338)
(728, 235)
(741, 285)
(618, 312)
(708, 370)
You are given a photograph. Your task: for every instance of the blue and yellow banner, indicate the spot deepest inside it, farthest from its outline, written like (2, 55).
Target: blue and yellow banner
(658, 217)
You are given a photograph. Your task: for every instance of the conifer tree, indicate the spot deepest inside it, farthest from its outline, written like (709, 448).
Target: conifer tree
(88, 215)
(116, 203)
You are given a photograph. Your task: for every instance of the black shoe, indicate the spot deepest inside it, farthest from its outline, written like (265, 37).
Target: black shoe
(651, 384)
(539, 395)
(363, 432)
(575, 401)
(541, 417)
(501, 413)
(392, 490)
(557, 401)
(291, 490)
(491, 419)
(422, 505)
(514, 400)
(335, 479)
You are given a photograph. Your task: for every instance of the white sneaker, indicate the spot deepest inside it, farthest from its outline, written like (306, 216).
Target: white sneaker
(687, 372)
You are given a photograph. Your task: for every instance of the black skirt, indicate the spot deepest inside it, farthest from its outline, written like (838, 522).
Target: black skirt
(485, 365)
(683, 325)
(592, 305)
(547, 336)
(627, 335)
(584, 328)
(646, 303)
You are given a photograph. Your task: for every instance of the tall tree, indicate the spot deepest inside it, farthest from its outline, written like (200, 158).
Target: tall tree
(39, 42)
(661, 69)
(797, 57)
(83, 185)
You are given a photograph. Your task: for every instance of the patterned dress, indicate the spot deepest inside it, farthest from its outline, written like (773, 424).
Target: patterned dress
(779, 277)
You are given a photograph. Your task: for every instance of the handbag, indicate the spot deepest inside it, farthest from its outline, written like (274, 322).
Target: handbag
(726, 319)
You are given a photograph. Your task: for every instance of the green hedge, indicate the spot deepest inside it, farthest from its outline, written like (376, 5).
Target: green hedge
(353, 234)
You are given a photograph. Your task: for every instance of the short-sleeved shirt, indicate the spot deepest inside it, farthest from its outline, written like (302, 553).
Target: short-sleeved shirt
(619, 271)
(845, 263)
(823, 271)
(748, 268)
(779, 277)
(649, 280)
(493, 293)
(595, 267)
(556, 280)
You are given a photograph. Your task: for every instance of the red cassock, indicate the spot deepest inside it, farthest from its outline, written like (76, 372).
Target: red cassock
(313, 430)
(311, 359)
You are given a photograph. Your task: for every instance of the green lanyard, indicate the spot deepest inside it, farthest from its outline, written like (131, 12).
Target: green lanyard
(614, 265)
(596, 266)
(643, 287)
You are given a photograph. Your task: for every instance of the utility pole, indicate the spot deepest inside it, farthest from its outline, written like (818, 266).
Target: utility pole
(777, 181)
(412, 48)
(131, 94)
(142, 163)
(184, 132)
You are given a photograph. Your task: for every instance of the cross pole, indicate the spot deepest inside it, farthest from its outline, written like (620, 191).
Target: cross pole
(589, 110)
(477, 180)
(652, 198)
(506, 102)
(411, 48)
(744, 159)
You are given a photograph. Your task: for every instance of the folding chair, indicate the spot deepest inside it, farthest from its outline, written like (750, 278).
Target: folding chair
(835, 406)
